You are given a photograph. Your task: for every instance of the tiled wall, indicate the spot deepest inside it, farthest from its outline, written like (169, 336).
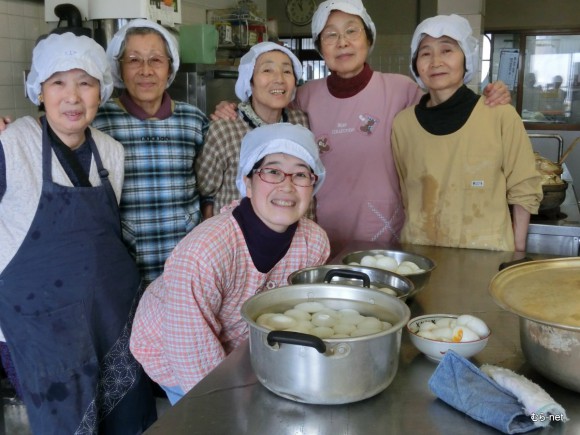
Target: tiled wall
(391, 54)
(21, 22)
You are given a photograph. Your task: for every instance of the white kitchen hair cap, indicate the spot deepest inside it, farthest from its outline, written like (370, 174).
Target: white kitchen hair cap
(455, 27)
(353, 7)
(248, 62)
(291, 139)
(64, 52)
(115, 46)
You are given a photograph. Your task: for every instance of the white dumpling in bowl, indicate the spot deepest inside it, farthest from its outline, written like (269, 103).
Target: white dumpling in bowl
(321, 318)
(410, 264)
(310, 307)
(298, 314)
(344, 328)
(369, 261)
(387, 263)
(388, 291)
(322, 331)
(404, 270)
(262, 320)
(474, 323)
(370, 323)
(463, 333)
(281, 322)
(350, 316)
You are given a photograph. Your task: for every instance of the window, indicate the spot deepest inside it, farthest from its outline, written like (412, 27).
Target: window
(313, 67)
(543, 72)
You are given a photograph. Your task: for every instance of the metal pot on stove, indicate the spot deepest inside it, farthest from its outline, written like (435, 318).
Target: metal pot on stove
(553, 187)
(305, 368)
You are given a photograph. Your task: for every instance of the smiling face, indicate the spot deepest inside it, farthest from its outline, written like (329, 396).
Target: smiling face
(279, 205)
(345, 58)
(145, 84)
(273, 85)
(441, 66)
(71, 100)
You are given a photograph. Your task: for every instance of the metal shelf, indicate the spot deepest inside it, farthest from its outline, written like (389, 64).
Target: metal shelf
(236, 29)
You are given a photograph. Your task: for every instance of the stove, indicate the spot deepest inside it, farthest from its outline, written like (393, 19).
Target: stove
(556, 231)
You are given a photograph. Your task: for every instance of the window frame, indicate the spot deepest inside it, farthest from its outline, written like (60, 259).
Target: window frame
(523, 35)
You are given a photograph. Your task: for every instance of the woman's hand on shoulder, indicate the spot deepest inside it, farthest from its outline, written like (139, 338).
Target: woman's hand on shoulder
(4, 121)
(497, 93)
(225, 110)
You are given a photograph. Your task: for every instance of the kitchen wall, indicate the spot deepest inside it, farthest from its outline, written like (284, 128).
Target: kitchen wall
(194, 11)
(21, 22)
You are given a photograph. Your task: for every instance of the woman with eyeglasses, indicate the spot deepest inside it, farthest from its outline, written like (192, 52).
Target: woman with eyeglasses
(161, 138)
(267, 78)
(351, 114)
(189, 318)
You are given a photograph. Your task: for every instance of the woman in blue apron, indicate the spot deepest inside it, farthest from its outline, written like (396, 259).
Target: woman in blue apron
(68, 286)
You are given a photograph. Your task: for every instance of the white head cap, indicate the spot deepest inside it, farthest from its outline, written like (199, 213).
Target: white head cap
(353, 7)
(291, 139)
(455, 27)
(114, 48)
(248, 61)
(59, 53)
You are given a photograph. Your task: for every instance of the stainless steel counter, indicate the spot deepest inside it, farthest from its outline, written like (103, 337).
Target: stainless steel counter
(231, 400)
(559, 236)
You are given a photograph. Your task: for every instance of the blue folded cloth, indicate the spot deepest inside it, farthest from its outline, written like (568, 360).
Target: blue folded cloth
(463, 386)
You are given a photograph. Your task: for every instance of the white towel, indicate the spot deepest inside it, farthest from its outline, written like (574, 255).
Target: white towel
(533, 397)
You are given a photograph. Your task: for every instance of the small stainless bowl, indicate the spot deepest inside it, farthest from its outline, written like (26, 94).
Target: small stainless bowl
(420, 280)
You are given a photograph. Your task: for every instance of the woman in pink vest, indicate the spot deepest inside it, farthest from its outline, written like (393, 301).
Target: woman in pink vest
(351, 113)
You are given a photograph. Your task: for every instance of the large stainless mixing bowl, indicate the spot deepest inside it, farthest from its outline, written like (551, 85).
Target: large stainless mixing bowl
(545, 294)
(420, 280)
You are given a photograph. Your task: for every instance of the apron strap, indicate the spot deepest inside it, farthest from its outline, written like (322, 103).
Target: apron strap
(47, 167)
(103, 172)
(3, 184)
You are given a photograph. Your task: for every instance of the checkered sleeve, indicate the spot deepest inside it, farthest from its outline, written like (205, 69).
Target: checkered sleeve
(210, 164)
(191, 328)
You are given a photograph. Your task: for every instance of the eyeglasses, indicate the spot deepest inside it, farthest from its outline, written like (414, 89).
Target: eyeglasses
(351, 34)
(156, 61)
(276, 176)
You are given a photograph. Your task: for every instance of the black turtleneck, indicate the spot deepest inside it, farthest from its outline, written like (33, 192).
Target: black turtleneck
(267, 247)
(346, 88)
(76, 163)
(449, 116)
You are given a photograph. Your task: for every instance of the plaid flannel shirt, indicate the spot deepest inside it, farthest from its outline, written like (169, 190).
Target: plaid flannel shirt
(217, 164)
(160, 200)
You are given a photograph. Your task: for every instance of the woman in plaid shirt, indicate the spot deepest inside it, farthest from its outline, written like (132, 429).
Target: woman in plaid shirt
(189, 318)
(266, 84)
(161, 138)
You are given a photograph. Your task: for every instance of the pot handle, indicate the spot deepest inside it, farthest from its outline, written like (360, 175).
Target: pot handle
(343, 273)
(298, 338)
(502, 266)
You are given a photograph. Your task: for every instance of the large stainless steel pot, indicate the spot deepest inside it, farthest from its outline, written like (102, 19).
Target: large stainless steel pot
(354, 275)
(545, 294)
(304, 368)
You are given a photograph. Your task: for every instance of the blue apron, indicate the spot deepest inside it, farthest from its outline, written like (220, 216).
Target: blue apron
(67, 301)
